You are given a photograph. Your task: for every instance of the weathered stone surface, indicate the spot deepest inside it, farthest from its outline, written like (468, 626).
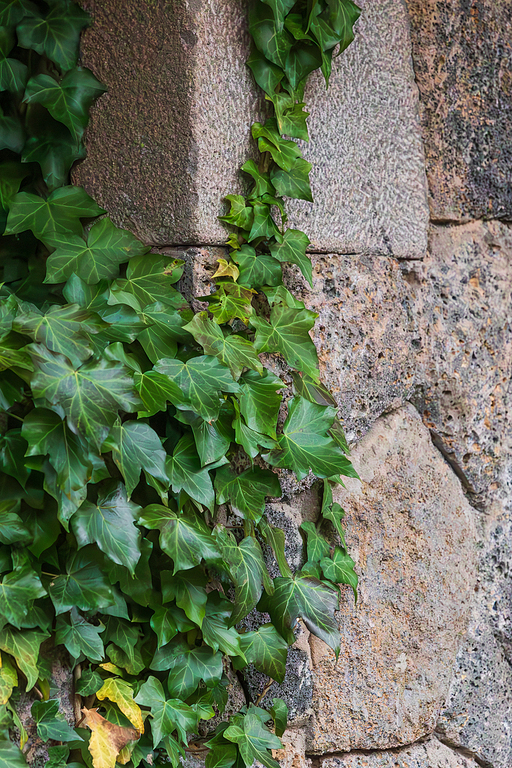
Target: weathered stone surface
(462, 303)
(167, 141)
(412, 533)
(431, 754)
(462, 52)
(478, 713)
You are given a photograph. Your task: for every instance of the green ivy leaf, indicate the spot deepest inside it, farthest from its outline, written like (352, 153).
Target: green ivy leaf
(218, 633)
(136, 447)
(340, 569)
(275, 539)
(201, 379)
(110, 524)
(11, 756)
(247, 570)
(315, 392)
(213, 439)
(257, 269)
(251, 441)
(240, 214)
(280, 8)
(13, 73)
(50, 723)
(18, 590)
(266, 74)
(167, 621)
(13, 11)
(263, 225)
(24, 647)
(8, 681)
(12, 456)
(267, 650)
(333, 512)
(259, 401)
(188, 666)
(188, 589)
(185, 538)
(229, 301)
(56, 151)
(149, 278)
(303, 58)
(309, 599)
(89, 395)
(246, 492)
(97, 259)
(48, 219)
(343, 14)
(291, 118)
(168, 715)
(58, 757)
(279, 712)
(233, 351)
(12, 529)
(268, 35)
(262, 185)
(306, 444)
(139, 585)
(165, 328)
(83, 586)
(156, 390)
(69, 100)
(63, 329)
(185, 473)
(317, 546)
(293, 250)
(80, 637)
(56, 35)
(294, 182)
(284, 152)
(254, 740)
(288, 333)
(11, 176)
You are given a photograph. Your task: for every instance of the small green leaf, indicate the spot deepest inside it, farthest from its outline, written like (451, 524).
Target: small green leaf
(79, 636)
(188, 666)
(309, 599)
(293, 250)
(56, 151)
(259, 401)
(217, 629)
(69, 100)
(149, 278)
(168, 715)
(246, 492)
(240, 214)
(185, 538)
(262, 185)
(229, 301)
(317, 546)
(267, 650)
(185, 473)
(233, 351)
(288, 333)
(83, 586)
(49, 219)
(136, 447)
(50, 723)
(97, 259)
(257, 269)
(263, 225)
(110, 524)
(156, 390)
(56, 35)
(340, 569)
(254, 740)
(279, 712)
(280, 8)
(284, 152)
(18, 590)
(294, 182)
(188, 589)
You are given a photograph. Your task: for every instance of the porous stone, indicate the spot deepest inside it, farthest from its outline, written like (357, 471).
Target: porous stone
(412, 534)
(167, 141)
(431, 754)
(462, 301)
(462, 51)
(478, 713)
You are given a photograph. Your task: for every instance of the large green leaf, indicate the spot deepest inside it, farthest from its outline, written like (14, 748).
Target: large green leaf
(340, 569)
(233, 351)
(293, 182)
(167, 715)
(262, 185)
(97, 259)
(13, 11)
(12, 529)
(89, 395)
(257, 269)
(268, 34)
(246, 492)
(56, 35)
(305, 443)
(186, 539)
(254, 740)
(11, 756)
(24, 647)
(79, 636)
(288, 333)
(280, 9)
(13, 73)
(165, 327)
(303, 58)
(63, 329)
(343, 14)
(18, 590)
(136, 447)
(188, 666)
(156, 390)
(50, 723)
(149, 278)
(217, 629)
(213, 439)
(247, 570)
(317, 546)
(230, 301)
(12, 456)
(201, 379)
(240, 214)
(309, 599)
(83, 586)
(69, 100)
(185, 473)
(267, 650)
(167, 621)
(49, 219)
(259, 401)
(293, 250)
(266, 74)
(110, 524)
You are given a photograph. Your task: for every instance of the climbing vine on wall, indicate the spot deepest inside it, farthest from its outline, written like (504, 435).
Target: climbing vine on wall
(140, 440)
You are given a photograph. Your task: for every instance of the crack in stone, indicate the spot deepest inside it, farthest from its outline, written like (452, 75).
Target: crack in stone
(419, 741)
(463, 751)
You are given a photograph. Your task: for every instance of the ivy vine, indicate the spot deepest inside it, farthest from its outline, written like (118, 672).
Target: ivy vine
(140, 440)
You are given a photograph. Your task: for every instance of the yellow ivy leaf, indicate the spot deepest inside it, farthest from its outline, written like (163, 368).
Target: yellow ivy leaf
(227, 269)
(125, 754)
(109, 667)
(107, 740)
(8, 681)
(121, 693)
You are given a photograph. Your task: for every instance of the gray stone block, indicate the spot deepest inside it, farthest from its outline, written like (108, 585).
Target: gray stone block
(412, 534)
(167, 141)
(431, 754)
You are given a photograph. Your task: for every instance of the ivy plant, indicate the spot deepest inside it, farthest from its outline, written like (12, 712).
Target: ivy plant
(139, 440)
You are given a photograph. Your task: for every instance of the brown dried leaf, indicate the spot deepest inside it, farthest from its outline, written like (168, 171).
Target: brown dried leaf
(107, 739)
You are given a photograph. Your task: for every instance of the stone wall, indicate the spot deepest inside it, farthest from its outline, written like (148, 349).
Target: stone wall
(412, 262)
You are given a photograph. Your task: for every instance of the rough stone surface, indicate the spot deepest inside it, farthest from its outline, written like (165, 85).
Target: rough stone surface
(478, 713)
(168, 139)
(462, 52)
(462, 299)
(412, 534)
(431, 754)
